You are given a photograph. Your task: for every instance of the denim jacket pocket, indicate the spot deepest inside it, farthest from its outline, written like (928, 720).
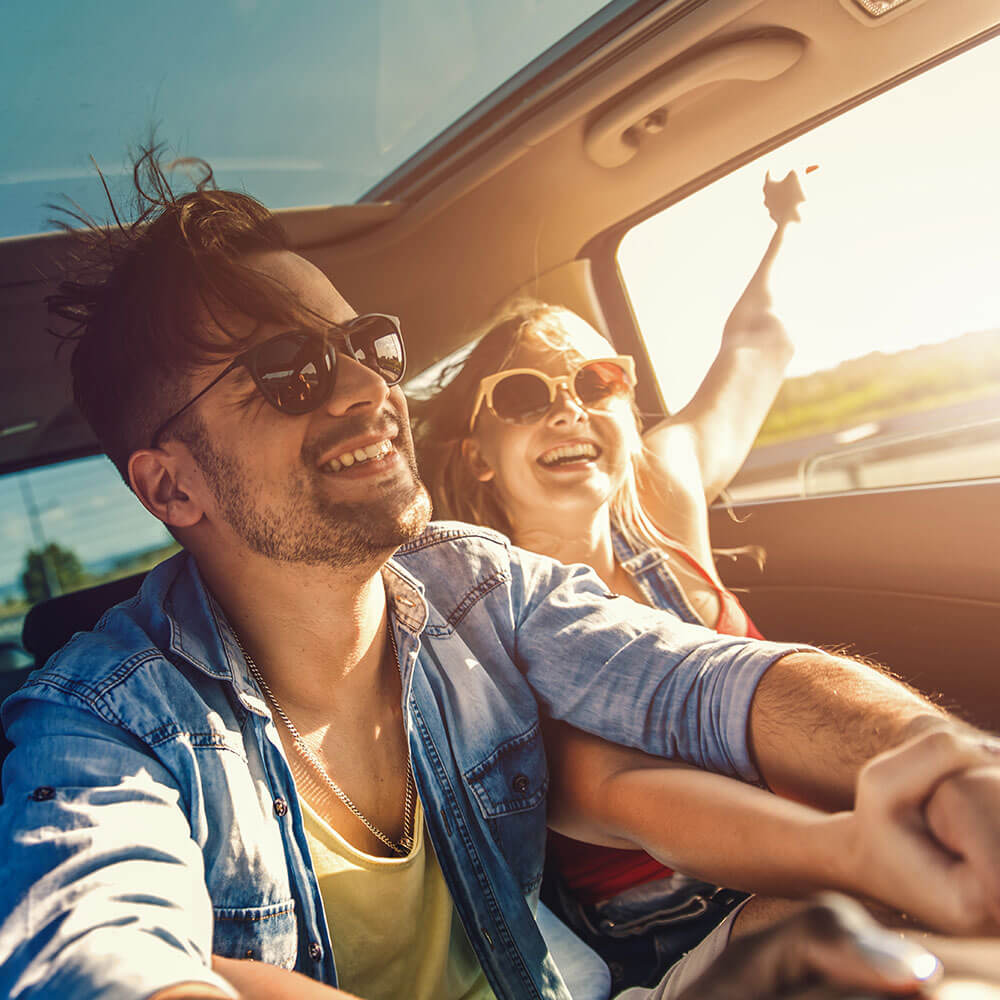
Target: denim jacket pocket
(510, 787)
(263, 933)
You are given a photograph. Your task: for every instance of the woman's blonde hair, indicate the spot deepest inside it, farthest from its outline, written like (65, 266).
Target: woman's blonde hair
(441, 424)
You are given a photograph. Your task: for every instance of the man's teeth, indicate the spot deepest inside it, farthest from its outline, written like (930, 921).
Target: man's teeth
(378, 450)
(569, 453)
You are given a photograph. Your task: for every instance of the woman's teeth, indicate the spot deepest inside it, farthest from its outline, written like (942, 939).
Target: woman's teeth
(378, 450)
(569, 453)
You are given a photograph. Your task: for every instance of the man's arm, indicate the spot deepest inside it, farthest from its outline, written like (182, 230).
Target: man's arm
(815, 720)
(633, 674)
(815, 724)
(103, 891)
(803, 721)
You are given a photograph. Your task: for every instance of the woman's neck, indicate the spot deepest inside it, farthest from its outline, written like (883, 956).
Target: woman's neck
(572, 541)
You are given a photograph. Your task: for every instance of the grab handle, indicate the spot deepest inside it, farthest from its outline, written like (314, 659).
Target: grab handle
(613, 138)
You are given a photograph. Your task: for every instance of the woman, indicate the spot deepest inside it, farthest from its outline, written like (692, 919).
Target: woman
(538, 437)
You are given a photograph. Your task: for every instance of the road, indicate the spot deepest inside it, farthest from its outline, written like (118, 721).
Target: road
(923, 446)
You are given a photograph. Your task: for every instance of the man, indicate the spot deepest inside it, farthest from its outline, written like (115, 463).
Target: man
(289, 712)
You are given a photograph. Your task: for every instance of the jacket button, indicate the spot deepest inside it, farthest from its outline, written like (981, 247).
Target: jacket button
(43, 793)
(521, 783)
(315, 951)
(280, 807)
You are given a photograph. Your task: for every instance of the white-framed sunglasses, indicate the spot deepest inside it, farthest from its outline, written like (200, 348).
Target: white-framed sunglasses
(524, 395)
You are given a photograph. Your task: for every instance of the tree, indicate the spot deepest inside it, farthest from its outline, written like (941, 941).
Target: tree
(50, 571)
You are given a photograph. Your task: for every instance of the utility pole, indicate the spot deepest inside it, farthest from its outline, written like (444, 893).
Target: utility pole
(35, 520)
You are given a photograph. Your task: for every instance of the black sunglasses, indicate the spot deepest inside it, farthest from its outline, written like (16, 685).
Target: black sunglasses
(296, 371)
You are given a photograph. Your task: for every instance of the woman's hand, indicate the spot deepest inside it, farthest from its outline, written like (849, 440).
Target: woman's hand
(782, 198)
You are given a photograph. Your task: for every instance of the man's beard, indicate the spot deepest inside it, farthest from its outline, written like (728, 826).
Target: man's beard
(305, 526)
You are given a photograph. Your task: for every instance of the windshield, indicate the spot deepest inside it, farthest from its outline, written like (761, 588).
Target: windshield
(309, 103)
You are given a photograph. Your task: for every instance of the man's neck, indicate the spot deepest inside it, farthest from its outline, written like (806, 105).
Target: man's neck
(317, 634)
(318, 637)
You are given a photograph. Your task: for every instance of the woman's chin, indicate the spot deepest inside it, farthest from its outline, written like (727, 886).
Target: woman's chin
(583, 494)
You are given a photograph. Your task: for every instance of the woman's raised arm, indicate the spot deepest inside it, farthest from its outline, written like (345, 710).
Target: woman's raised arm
(724, 416)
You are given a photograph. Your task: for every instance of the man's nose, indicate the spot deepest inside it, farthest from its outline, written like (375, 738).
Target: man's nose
(357, 387)
(565, 409)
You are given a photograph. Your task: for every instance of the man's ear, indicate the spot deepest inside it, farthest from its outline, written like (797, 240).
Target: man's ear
(158, 481)
(475, 460)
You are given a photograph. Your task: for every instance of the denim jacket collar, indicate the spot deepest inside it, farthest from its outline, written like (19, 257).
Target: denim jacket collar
(205, 639)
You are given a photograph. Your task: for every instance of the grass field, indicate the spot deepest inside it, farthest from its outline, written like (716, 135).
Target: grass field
(881, 385)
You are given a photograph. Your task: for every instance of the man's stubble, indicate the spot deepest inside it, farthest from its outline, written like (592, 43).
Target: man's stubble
(305, 525)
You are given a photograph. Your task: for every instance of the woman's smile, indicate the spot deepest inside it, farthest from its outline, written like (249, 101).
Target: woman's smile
(569, 454)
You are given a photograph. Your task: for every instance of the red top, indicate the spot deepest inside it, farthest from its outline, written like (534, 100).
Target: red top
(593, 873)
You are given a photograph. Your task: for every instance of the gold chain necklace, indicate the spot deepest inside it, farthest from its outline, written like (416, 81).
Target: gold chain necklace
(405, 844)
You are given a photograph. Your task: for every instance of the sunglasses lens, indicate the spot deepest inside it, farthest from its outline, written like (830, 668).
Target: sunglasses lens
(520, 398)
(378, 345)
(294, 371)
(601, 383)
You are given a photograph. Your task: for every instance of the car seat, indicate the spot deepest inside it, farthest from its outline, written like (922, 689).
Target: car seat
(50, 624)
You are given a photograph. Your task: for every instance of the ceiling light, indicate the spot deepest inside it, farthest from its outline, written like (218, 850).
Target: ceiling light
(877, 8)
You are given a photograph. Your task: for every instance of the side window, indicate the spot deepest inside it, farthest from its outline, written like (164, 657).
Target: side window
(65, 527)
(890, 289)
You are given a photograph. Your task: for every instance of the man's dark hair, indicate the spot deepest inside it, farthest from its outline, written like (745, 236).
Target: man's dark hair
(140, 292)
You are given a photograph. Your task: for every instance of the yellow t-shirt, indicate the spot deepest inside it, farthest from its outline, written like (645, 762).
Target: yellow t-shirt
(393, 923)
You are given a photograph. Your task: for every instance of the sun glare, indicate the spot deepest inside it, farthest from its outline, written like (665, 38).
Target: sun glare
(899, 243)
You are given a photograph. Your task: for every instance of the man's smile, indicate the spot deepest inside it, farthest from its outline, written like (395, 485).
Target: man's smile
(376, 452)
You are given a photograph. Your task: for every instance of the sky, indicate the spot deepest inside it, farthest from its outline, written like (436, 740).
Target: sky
(899, 242)
(305, 103)
(83, 505)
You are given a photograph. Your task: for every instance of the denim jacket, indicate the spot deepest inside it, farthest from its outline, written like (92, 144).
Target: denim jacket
(150, 817)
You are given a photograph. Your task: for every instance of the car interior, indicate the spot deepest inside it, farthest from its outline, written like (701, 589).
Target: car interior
(640, 109)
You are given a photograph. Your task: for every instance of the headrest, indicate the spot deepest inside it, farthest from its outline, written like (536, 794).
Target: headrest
(50, 624)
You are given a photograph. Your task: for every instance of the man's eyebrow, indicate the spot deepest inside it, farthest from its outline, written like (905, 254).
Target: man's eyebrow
(236, 379)
(241, 377)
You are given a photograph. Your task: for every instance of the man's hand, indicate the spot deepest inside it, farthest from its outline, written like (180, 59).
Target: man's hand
(260, 981)
(925, 832)
(963, 814)
(190, 991)
(834, 943)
